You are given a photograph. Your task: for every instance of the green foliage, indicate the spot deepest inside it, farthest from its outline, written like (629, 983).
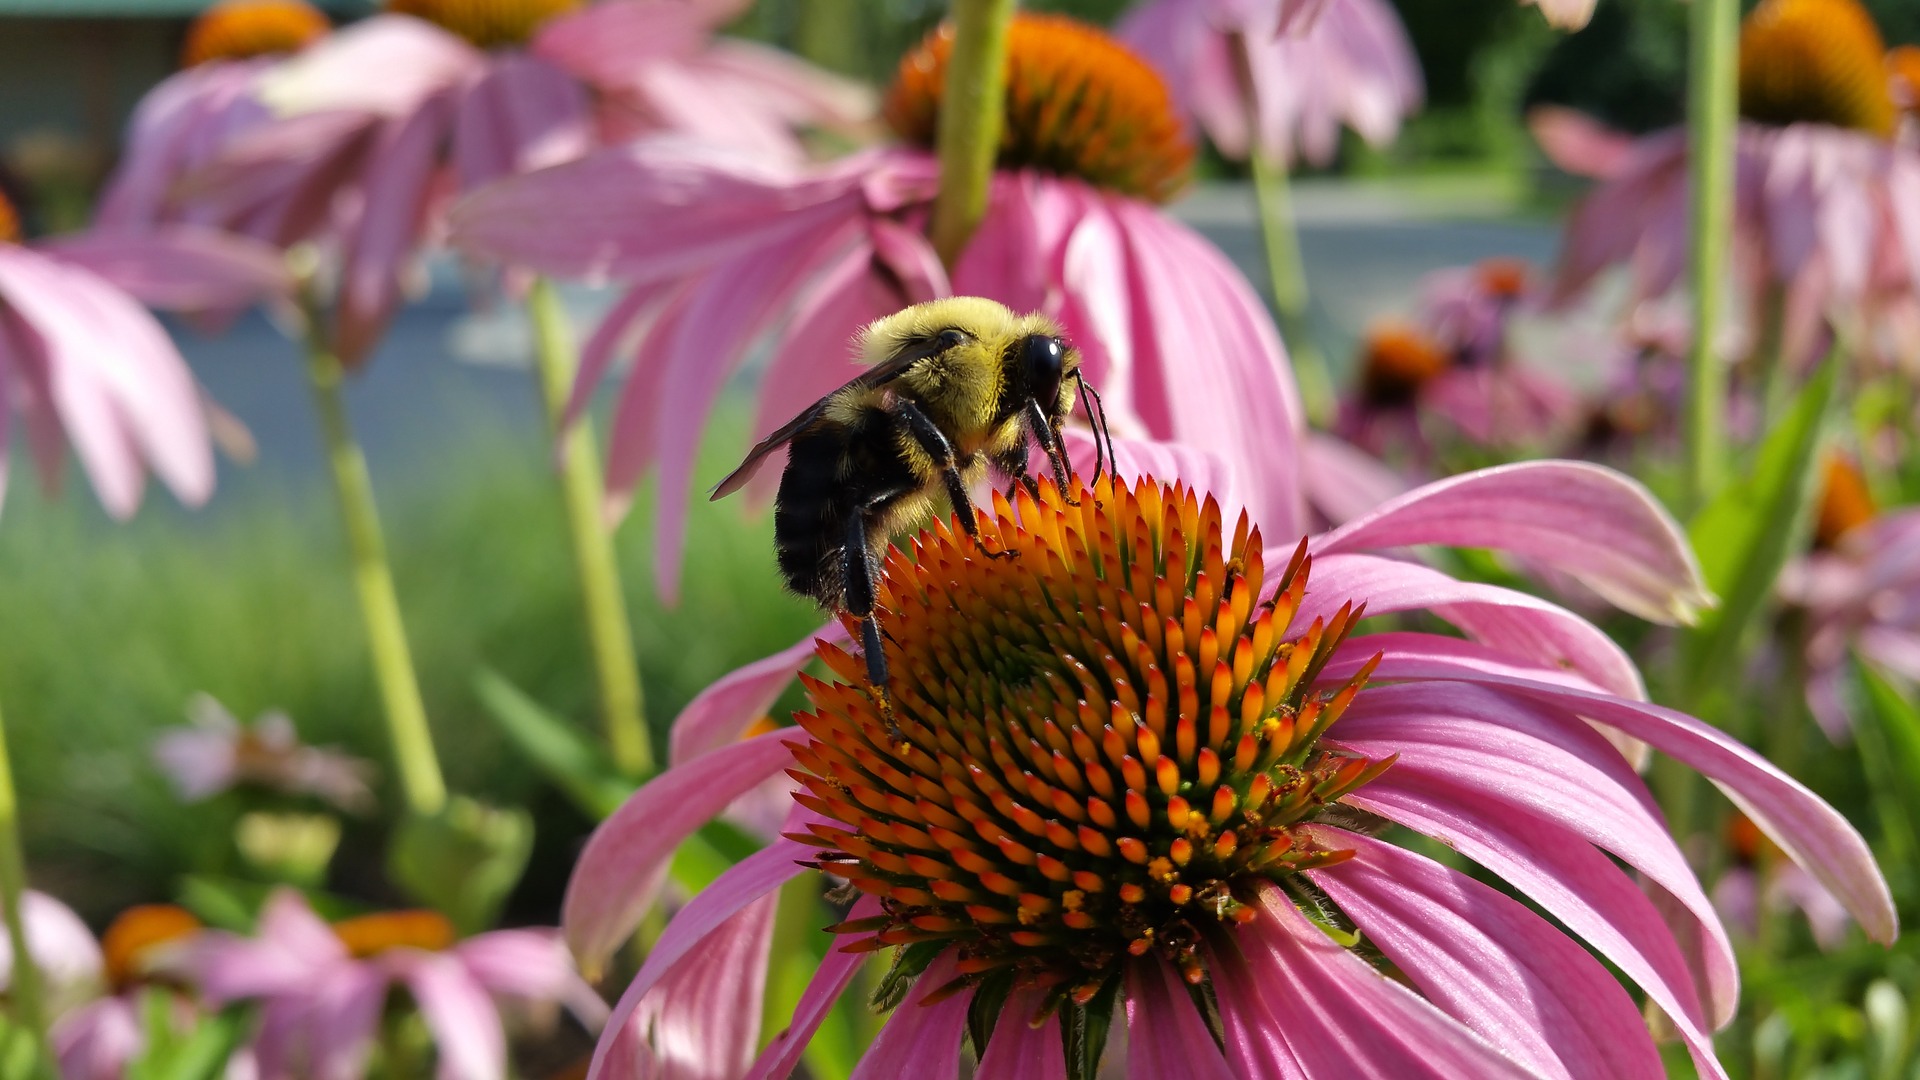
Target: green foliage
(564, 754)
(463, 860)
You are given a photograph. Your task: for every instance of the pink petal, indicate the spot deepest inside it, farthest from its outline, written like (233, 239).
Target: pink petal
(619, 872)
(1493, 965)
(1350, 1019)
(1591, 522)
(1578, 143)
(465, 1025)
(1524, 626)
(1165, 1035)
(1205, 472)
(1571, 881)
(343, 1007)
(1019, 1051)
(631, 444)
(1565, 14)
(533, 965)
(606, 43)
(117, 383)
(655, 209)
(1343, 482)
(786, 87)
(702, 1020)
(180, 121)
(98, 1040)
(523, 114)
(604, 345)
(919, 1039)
(829, 981)
(1811, 832)
(180, 267)
(387, 64)
(398, 189)
(1483, 749)
(721, 713)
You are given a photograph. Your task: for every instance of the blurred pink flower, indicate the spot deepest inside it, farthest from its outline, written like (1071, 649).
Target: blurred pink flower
(1455, 363)
(71, 967)
(1497, 750)
(82, 362)
(1861, 592)
(1289, 94)
(217, 753)
(1762, 883)
(1297, 16)
(101, 1038)
(366, 133)
(322, 989)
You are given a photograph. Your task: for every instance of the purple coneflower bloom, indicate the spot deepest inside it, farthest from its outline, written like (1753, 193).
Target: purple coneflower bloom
(1827, 205)
(1860, 588)
(720, 249)
(1287, 95)
(322, 988)
(360, 137)
(1150, 795)
(81, 362)
(217, 753)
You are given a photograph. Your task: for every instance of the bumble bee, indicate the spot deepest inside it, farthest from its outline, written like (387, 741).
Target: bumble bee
(950, 386)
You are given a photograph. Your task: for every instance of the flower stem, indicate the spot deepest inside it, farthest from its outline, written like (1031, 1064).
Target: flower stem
(1711, 111)
(28, 1008)
(972, 112)
(608, 634)
(420, 779)
(1288, 274)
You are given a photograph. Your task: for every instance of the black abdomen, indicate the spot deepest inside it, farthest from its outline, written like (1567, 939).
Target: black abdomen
(831, 473)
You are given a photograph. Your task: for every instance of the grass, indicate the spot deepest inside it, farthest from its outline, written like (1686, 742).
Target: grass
(106, 631)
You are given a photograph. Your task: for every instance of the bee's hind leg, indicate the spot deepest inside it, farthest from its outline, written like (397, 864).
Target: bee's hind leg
(935, 443)
(860, 578)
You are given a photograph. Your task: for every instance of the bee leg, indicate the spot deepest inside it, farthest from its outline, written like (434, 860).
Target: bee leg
(1014, 464)
(935, 443)
(859, 575)
(1049, 438)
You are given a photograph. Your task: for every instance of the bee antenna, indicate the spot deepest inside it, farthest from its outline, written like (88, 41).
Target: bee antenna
(1102, 431)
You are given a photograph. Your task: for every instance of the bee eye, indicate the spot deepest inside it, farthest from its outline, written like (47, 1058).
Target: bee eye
(948, 339)
(1043, 357)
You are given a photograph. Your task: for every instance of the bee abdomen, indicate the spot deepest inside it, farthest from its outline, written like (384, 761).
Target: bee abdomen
(809, 519)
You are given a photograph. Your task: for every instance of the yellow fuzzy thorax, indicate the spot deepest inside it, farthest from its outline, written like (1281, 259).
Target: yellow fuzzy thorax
(960, 388)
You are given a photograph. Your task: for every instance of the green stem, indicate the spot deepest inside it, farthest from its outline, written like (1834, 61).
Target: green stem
(28, 1008)
(420, 776)
(972, 113)
(1712, 101)
(1287, 272)
(604, 603)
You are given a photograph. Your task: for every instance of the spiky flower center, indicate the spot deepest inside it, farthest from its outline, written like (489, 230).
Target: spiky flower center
(238, 29)
(1106, 743)
(1078, 104)
(134, 936)
(371, 935)
(1815, 61)
(1846, 503)
(1396, 360)
(488, 24)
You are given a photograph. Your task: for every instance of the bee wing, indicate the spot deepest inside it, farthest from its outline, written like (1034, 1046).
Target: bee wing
(878, 375)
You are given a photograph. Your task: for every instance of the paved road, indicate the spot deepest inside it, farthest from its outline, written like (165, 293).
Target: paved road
(417, 406)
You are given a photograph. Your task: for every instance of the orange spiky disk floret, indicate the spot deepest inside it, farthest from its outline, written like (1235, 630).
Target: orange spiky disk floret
(1105, 744)
(1079, 104)
(238, 29)
(1815, 61)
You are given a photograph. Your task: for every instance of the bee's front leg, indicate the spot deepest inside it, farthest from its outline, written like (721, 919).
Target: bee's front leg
(1013, 463)
(934, 442)
(1056, 449)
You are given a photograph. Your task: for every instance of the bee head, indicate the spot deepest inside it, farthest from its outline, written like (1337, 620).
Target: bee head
(1041, 364)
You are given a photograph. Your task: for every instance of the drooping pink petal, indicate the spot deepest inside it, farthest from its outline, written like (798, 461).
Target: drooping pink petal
(1518, 982)
(1137, 458)
(399, 187)
(342, 1016)
(920, 1039)
(1020, 1051)
(830, 980)
(182, 268)
(1810, 831)
(619, 871)
(605, 44)
(414, 60)
(702, 1020)
(785, 86)
(1351, 1020)
(121, 390)
(523, 114)
(467, 1036)
(1598, 525)
(1578, 143)
(63, 951)
(1165, 1035)
(1523, 625)
(1571, 881)
(176, 126)
(532, 964)
(97, 1040)
(1343, 482)
(721, 713)
(610, 337)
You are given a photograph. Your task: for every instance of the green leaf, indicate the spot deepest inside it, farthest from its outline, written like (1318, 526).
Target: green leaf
(223, 902)
(463, 861)
(908, 963)
(575, 764)
(1084, 1028)
(198, 1053)
(1747, 533)
(1888, 731)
